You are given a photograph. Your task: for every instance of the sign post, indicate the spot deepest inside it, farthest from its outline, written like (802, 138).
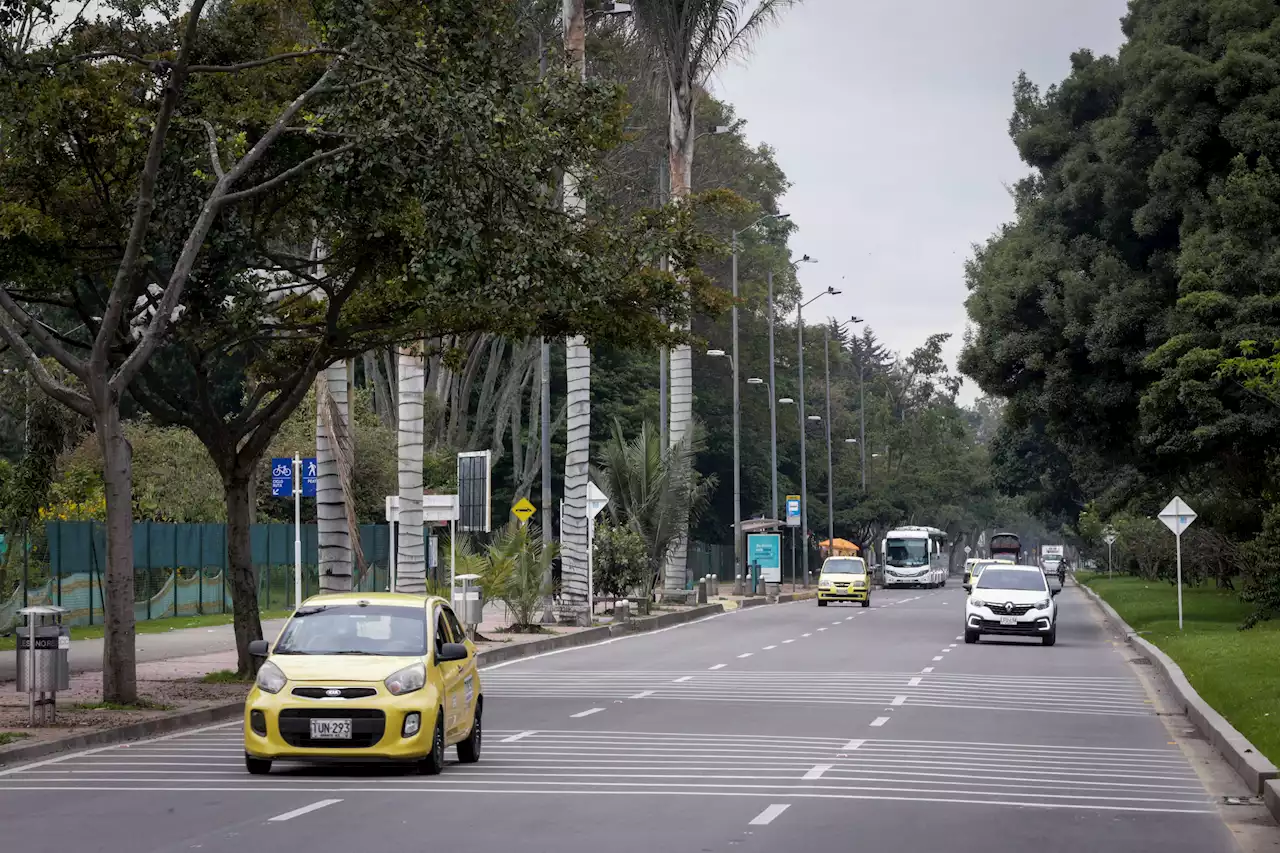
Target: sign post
(1177, 516)
(596, 502)
(296, 476)
(1110, 538)
(393, 517)
(967, 550)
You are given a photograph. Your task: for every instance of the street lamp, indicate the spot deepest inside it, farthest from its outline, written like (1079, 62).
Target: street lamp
(737, 402)
(773, 408)
(804, 465)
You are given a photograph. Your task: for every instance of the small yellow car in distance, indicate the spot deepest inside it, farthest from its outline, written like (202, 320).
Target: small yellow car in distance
(973, 570)
(844, 579)
(365, 677)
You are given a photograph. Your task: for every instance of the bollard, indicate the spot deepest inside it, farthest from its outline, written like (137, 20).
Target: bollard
(622, 611)
(702, 591)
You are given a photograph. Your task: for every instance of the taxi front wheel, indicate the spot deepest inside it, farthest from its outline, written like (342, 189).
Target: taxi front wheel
(434, 761)
(257, 766)
(866, 602)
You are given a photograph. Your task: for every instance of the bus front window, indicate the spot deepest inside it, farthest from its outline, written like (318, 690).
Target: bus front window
(907, 552)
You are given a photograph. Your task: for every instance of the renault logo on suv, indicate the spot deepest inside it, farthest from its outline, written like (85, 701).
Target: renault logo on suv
(1008, 607)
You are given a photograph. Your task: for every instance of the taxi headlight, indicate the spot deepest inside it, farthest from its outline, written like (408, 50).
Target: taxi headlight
(824, 584)
(859, 584)
(407, 680)
(270, 678)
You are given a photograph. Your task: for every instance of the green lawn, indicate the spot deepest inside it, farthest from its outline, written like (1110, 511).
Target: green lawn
(155, 626)
(1234, 671)
(10, 737)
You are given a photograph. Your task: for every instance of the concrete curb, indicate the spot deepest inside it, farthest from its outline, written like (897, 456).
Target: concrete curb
(1254, 768)
(220, 713)
(788, 597)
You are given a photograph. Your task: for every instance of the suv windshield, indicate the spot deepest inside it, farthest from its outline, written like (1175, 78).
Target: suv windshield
(907, 552)
(1009, 579)
(349, 629)
(847, 566)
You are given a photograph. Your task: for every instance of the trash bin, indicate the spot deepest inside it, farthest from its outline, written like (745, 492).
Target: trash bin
(468, 602)
(43, 669)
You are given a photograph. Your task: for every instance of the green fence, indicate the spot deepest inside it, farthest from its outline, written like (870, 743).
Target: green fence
(713, 559)
(179, 569)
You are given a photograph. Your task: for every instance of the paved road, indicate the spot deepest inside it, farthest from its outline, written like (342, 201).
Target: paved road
(817, 729)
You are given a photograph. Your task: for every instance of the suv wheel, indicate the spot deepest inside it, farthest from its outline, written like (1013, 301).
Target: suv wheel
(971, 637)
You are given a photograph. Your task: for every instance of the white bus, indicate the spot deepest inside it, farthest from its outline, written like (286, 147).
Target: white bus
(915, 556)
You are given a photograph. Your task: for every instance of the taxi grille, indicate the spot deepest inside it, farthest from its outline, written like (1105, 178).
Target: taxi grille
(367, 726)
(343, 692)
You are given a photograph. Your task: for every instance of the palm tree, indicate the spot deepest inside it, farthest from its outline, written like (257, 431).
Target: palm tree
(691, 40)
(653, 490)
(573, 524)
(411, 561)
(334, 462)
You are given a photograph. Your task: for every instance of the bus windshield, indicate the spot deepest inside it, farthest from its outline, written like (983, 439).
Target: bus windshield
(907, 552)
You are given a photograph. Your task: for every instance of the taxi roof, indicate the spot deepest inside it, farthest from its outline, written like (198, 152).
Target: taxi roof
(392, 599)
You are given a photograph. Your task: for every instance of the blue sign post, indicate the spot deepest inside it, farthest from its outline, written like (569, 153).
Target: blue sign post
(281, 477)
(764, 553)
(310, 476)
(793, 510)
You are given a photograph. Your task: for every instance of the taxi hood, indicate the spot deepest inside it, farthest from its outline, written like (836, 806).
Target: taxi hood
(341, 667)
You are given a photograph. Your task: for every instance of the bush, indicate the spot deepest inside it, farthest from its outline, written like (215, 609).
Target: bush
(620, 560)
(515, 570)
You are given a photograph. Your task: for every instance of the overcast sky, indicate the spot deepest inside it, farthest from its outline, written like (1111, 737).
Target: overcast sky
(890, 118)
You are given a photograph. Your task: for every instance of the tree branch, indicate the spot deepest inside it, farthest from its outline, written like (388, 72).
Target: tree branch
(258, 63)
(285, 176)
(33, 327)
(145, 206)
(73, 400)
(213, 149)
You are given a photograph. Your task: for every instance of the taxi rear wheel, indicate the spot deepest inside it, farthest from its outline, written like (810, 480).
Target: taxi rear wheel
(469, 749)
(257, 766)
(433, 763)
(821, 603)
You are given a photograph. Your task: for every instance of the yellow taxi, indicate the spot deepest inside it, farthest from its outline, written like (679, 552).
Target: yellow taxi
(973, 569)
(844, 579)
(365, 677)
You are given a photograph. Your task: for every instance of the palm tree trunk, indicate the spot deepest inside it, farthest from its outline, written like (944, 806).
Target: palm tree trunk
(331, 511)
(574, 540)
(680, 159)
(411, 564)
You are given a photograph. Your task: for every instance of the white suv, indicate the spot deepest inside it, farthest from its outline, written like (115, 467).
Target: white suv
(1011, 600)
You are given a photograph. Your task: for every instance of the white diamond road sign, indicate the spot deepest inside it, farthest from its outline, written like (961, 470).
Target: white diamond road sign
(1177, 516)
(1110, 539)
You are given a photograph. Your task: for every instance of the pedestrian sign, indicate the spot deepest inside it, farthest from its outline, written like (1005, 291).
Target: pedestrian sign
(310, 475)
(523, 510)
(793, 510)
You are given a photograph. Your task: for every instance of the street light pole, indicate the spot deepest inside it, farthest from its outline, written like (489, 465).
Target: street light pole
(804, 463)
(831, 509)
(773, 412)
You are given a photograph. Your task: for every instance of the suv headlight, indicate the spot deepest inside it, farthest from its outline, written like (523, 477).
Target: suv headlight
(270, 678)
(407, 680)
(1043, 605)
(977, 602)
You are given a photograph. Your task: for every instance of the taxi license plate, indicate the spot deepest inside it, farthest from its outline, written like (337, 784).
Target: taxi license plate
(331, 729)
(1004, 620)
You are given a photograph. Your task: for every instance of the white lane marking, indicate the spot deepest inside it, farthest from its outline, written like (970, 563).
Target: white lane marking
(517, 737)
(822, 629)
(927, 669)
(898, 700)
(879, 721)
(944, 651)
(586, 713)
(768, 648)
(853, 744)
(816, 771)
(316, 806)
(961, 637)
(718, 666)
(915, 682)
(788, 641)
(767, 816)
(610, 640)
(746, 654)
(19, 768)
(953, 645)
(642, 694)
(939, 657)
(806, 635)
(683, 679)
(837, 622)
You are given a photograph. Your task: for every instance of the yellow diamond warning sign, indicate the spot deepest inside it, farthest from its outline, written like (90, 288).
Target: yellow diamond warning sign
(523, 510)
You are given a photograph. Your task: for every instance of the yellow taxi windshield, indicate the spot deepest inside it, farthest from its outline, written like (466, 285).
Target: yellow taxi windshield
(843, 566)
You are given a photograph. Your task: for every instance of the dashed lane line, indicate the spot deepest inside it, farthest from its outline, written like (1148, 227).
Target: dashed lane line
(586, 713)
(718, 666)
(770, 814)
(682, 679)
(879, 721)
(769, 648)
(939, 657)
(746, 654)
(516, 737)
(816, 771)
(316, 806)
(642, 694)
(915, 682)
(898, 700)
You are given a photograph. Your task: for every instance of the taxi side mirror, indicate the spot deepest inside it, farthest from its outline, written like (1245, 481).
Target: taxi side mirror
(259, 648)
(451, 652)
